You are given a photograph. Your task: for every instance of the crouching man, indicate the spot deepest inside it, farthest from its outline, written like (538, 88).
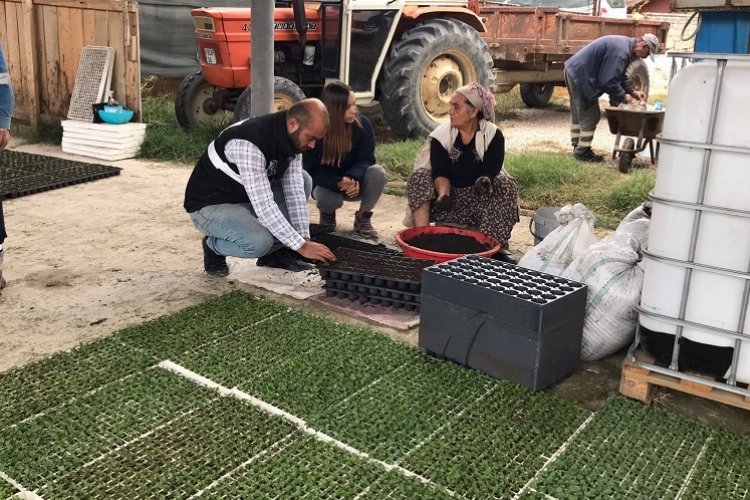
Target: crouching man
(248, 193)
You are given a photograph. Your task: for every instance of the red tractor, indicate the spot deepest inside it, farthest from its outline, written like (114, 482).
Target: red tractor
(407, 54)
(379, 47)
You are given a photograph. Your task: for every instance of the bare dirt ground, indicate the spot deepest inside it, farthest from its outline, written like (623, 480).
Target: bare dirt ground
(84, 261)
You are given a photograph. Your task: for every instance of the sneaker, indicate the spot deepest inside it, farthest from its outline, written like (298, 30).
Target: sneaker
(363, 225)
(213, 263)
(327, 222)
(285, 259)
(588, 155)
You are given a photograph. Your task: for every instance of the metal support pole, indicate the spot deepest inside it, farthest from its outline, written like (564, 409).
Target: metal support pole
(261, 60)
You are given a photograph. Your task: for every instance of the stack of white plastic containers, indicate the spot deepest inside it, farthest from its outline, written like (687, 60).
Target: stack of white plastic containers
(697, 265)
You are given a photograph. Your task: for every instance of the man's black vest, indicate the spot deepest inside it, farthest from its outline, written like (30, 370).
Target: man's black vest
(210, 185)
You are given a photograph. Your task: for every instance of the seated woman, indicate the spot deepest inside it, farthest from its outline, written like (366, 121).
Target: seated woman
(458, 177)
(342, 165)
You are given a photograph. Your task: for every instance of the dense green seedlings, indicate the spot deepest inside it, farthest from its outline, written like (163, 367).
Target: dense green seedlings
(168, 336)
(57, 443)
(56, 380)
(395, 486)
(305, 468)
(629, 451)
(724, 469)
(307, 384)
(250, 352)
(498, 444)
(103, 422)
(177, 460)
(6, 490)
(392, 416)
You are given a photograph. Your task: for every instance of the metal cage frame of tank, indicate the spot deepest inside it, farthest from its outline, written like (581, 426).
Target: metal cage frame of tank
(731, 382)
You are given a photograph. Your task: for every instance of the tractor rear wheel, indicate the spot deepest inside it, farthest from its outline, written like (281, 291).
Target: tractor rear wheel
(536, 95)
(637, 72)
(285, 93)
(200, 104)
(424, 69)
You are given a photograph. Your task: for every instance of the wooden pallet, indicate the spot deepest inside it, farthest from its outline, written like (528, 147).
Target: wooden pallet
(637, 383)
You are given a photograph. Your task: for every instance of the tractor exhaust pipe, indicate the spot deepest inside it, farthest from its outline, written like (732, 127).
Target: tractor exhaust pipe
(300, 24)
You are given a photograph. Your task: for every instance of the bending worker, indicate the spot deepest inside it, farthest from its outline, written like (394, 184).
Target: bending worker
(248, 193)
(600, 68)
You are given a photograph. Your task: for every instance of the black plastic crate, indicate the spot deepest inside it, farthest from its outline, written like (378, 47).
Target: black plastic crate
(507, 321)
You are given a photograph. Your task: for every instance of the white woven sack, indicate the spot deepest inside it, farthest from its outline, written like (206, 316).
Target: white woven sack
(637, 224)
(610, 270)
(566, 242)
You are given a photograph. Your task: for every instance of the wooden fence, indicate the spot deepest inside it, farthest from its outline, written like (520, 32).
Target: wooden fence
(43, 41)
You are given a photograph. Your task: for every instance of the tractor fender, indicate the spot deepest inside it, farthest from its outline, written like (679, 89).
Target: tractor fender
(414, 14)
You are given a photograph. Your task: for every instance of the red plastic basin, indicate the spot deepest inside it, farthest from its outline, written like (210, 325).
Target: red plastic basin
(419, 253)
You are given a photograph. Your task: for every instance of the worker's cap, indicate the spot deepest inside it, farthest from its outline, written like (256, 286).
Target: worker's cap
(652, 42)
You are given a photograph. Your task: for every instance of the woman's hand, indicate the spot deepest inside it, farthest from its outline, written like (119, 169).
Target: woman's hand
(483, 186)
(348, 186)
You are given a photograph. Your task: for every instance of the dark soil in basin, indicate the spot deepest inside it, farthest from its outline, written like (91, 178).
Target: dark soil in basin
(448, 243)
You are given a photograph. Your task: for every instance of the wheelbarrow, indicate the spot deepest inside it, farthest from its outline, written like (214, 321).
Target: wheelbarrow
(643, 125)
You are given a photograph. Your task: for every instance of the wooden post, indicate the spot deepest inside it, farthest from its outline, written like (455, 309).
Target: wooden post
(28, 52)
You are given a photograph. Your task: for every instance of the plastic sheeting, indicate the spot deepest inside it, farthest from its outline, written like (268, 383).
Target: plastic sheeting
(168, 42)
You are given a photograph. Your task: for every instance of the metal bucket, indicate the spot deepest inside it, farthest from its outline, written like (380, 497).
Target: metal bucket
(544, 222)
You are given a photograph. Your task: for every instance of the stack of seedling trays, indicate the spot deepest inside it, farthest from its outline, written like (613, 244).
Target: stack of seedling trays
(376, 279)
(510, 322)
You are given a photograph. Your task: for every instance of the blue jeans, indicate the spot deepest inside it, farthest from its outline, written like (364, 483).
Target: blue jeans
(233, 229)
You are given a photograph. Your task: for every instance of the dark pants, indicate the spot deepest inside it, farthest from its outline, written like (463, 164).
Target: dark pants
(3, 234)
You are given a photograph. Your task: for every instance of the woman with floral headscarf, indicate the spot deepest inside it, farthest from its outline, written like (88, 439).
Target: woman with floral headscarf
(458, 176)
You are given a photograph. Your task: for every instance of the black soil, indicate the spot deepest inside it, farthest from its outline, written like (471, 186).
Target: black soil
(448, 243)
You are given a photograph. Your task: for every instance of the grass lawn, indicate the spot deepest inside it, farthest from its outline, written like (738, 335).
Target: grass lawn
(285, 404)
(545, 179)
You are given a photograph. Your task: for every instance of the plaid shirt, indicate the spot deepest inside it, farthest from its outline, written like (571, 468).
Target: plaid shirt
(252, 168)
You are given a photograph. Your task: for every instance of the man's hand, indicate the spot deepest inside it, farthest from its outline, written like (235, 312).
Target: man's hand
(483, 186)
(348, 186)
(4, 138)
(637, 94)
(316, 251)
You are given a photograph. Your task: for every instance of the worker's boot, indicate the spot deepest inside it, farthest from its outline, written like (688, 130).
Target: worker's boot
(213, 263)
(327, 222)
(2, 280)
(363, 225)
(586, 154)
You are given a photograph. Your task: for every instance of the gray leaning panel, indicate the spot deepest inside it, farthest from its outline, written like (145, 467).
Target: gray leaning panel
(93, 80)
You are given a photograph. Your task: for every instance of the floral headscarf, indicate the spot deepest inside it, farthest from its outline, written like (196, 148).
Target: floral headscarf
(480, 98)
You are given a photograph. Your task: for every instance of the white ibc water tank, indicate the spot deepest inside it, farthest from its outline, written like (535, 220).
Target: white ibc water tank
(701, 212)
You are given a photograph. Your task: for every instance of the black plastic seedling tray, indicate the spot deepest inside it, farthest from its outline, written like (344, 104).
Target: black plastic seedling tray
(399, 273)
(374, 291)
(507, 321)
(23, 174)
(334, 242)
(373, 298)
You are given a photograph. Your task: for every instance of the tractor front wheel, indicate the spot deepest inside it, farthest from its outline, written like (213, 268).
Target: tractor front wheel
(285, 93)
(200, 104)
(424, 69)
